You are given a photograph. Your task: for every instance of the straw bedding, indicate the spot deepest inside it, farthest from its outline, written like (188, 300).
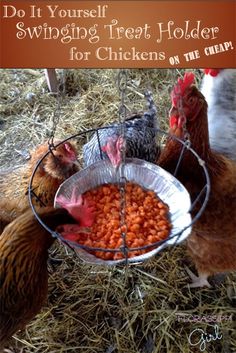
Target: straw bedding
(146, 308)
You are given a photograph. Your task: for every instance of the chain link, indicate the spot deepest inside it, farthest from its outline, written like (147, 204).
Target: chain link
(182, 114)
(57, 112)
(122, 85)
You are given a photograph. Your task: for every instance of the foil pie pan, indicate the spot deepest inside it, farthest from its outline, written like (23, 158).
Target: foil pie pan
(147, 175)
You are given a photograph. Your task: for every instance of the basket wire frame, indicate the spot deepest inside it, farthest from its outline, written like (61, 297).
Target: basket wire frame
(124, 248)
(186, 145)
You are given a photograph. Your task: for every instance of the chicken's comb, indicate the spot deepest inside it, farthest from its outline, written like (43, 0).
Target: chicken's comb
(69, 149)
(181, 86)
(110, 140)
(212, 72)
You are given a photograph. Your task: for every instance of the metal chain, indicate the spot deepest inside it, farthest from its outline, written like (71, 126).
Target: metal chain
(122, 85)
(182, 114)
(57, 112)
(186, 136)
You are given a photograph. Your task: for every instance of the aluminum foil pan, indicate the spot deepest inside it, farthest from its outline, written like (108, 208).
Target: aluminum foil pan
(147, 175)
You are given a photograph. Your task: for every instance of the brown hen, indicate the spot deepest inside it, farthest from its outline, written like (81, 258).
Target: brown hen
(54, 169)
(212, 243)
(24, 246)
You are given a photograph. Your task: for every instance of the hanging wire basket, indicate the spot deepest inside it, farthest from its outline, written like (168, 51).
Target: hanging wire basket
(148, 176)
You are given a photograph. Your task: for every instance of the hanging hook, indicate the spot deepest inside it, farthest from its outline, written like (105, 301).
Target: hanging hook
(57, 112)
(122, 85)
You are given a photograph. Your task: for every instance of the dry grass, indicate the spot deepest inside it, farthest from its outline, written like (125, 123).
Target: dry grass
(94, 309)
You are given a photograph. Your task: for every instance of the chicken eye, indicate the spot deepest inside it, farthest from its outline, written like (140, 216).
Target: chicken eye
(191, 100)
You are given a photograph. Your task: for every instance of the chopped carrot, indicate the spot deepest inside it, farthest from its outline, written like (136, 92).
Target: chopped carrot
(146, 218)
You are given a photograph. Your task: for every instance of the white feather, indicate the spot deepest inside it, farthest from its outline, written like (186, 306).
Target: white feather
(220, 94)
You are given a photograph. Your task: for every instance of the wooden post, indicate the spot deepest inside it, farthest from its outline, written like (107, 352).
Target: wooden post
(51, 78)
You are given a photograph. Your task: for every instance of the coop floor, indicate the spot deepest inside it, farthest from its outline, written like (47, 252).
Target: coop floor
(145, 308)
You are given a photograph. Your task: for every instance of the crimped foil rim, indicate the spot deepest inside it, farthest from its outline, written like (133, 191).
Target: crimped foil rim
(149, 176)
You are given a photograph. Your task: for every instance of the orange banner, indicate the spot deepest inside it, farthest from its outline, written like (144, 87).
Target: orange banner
(112, 34)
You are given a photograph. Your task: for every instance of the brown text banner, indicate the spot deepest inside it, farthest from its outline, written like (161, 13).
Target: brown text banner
(113, 34)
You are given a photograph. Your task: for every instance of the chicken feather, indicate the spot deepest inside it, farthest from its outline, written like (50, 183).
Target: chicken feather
(140, 135)
(24, 246)
(52, 171)
(219, 88)
(212, 243)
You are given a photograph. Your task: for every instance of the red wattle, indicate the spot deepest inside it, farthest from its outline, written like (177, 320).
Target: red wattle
(212, 72)
(173, 121)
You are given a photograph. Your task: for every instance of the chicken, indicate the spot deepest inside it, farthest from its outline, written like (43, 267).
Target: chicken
(24, 246)
(113, 149)
(78, 207)
(219, 88)
(73, 232)
(212, 243)
(140, 136)
(53, 170)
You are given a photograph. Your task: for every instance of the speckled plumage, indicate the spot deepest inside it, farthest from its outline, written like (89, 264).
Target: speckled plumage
(140, 132)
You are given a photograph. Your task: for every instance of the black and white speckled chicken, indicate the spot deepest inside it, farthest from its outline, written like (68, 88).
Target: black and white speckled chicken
(219, 88)
(140, 138)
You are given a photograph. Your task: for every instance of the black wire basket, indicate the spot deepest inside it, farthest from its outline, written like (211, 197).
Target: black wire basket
(181, 226)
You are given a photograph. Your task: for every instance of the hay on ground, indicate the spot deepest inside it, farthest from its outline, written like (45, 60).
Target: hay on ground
(146, 308)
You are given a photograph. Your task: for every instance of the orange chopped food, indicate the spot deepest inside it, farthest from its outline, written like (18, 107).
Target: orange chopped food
(146, 217)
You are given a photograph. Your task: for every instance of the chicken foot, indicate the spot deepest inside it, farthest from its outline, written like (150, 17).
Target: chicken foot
(198, 282)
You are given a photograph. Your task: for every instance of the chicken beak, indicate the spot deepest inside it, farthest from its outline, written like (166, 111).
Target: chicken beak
(77, 163)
